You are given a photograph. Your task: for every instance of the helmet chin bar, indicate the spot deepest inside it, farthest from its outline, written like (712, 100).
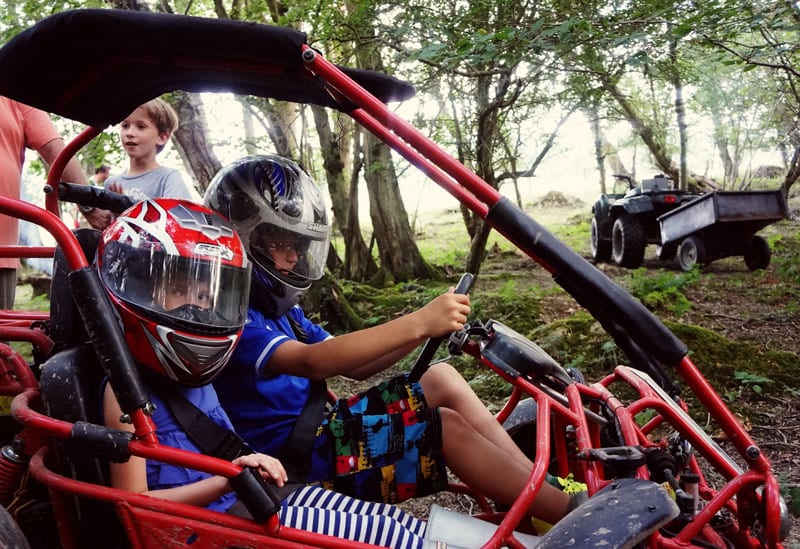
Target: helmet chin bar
(269, 294)
(191, 359)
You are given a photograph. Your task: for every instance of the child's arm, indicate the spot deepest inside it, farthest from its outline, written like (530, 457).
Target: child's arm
(132, 475)
(363, 353)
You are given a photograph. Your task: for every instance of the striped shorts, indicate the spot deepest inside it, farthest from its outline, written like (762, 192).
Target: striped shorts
(322, 511)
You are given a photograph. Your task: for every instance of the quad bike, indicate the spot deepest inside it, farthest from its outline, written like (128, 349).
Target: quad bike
(656, 479)
(624, 224)
(698, 227)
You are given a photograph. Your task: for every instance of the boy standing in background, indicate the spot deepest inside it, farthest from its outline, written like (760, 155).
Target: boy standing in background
(143, 134)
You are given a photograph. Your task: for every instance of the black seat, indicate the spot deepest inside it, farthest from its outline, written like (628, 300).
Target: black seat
(70, 383)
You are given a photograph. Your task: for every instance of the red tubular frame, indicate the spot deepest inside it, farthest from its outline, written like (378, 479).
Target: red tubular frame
(139, 512)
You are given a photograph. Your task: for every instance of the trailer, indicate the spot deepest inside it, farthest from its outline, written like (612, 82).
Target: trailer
(722, 224)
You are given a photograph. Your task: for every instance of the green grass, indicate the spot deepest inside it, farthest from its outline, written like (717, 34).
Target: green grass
(25, 301)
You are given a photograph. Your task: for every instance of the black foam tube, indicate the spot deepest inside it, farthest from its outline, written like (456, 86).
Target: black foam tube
(105, 333)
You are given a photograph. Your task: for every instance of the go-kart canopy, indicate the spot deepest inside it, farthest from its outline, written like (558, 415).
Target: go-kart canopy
(60, 66)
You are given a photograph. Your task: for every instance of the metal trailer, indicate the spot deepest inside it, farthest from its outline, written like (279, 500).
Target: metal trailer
(723, 224)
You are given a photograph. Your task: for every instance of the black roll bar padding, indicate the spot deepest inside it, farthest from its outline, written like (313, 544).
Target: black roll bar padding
(87, 195)
(105, 333)
(100, 442)
(254, 492)
(637, 332)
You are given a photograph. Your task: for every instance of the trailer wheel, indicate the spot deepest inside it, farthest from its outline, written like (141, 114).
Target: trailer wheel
(758, 254)
(601, 249)
(628, 241)
(691, 252)
(10, 533)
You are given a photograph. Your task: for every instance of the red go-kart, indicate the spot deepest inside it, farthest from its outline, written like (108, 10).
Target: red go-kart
(661, 484)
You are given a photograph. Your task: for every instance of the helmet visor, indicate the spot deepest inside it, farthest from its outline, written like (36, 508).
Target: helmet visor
(293, 256)
(188, 290)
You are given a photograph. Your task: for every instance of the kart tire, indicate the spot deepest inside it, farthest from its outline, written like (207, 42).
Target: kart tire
(628, 241)
(601, 249)
(10, 533)
(521, 427)
(691, 252)
(757, 254)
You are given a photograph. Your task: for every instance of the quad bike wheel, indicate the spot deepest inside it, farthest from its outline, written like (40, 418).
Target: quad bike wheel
(691, 252)
(757, 254)
(601, 249)
(628, 241)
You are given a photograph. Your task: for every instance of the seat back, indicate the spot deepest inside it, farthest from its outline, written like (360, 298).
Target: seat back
(70, 382)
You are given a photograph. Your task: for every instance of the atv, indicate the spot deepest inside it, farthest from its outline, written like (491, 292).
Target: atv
(623, 224)
(655, 477)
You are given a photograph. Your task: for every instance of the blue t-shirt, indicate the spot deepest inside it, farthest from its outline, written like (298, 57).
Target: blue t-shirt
(264, 407)
(162, 475)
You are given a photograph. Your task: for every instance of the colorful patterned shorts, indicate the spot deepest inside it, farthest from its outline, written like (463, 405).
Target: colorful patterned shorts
(383, 445)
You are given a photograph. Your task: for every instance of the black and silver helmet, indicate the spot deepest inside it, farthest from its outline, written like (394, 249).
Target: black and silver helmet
(272, 202)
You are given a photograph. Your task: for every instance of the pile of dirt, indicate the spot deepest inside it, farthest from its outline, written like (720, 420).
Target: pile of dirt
(555, 199)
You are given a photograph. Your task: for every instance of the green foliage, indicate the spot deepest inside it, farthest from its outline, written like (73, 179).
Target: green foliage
(579, 341)
(746, 379)
(575, 233)
(510, 304)
(786, 257)
(720, 359)
(25, 300)
(754, 381)
(379, 305)
(792, 494)
(665, 291)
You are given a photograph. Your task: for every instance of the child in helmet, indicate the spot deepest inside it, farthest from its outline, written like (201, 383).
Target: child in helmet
(179, 279)
(389, 443)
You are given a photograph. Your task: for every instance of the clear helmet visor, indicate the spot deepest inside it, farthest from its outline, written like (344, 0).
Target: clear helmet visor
(293, 256)
(201, 293)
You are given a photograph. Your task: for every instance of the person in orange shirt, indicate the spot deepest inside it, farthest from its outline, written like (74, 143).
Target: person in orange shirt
(21, 127)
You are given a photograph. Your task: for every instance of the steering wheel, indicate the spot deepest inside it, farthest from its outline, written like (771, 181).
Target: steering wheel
(423, 361)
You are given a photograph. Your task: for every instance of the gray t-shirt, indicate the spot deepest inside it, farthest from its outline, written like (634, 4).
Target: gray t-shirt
(162, 182)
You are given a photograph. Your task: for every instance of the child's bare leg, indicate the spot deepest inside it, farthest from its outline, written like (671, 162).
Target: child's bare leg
(488, 469)
(445, 387)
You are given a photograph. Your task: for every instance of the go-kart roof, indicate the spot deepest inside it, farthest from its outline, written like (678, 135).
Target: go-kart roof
(97, 65)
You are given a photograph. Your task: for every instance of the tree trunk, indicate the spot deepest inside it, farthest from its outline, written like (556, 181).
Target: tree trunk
(343, 190)
(657, 149)
(680, 115)
(484, 154)
(190, 140)
(360, 263)
(793, 173)
(399, 255)
(599, 150)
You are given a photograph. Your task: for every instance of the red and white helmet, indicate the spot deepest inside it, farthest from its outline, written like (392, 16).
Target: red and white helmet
(180, 279)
